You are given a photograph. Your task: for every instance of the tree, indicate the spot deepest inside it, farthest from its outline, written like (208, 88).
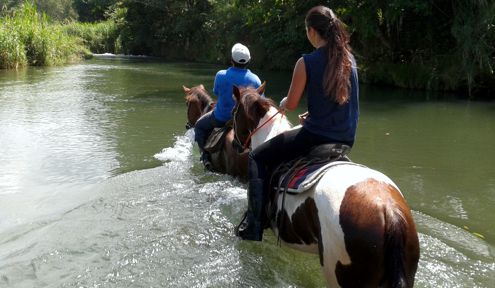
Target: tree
(57, 9)
(92, 10)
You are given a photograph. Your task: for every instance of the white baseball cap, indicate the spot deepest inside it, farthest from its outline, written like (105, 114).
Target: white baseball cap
(240, 54)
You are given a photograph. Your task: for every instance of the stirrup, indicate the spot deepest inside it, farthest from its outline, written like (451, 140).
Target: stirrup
(246, 231)
(206, 161)
(237, 228)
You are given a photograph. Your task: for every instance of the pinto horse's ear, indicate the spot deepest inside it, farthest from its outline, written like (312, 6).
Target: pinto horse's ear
(236, 94)
(201, 86)
(261, 89)
(187, 90)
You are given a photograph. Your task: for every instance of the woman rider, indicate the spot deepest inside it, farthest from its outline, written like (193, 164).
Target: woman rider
(330, 78)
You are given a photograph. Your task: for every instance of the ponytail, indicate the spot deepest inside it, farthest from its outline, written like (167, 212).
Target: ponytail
(336, 79)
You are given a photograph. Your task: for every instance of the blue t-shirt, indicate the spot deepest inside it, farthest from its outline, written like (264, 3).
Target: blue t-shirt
(223, 86)
(326, 117)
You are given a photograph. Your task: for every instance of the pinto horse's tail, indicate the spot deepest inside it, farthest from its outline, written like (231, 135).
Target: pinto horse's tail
(401, 247)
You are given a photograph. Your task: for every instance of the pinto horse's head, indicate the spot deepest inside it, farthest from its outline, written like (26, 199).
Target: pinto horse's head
(249, 109)
(198, 103)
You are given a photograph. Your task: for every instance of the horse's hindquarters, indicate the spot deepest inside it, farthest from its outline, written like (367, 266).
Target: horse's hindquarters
(367, 234)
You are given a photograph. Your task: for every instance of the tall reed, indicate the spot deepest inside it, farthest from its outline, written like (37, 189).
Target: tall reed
(28, 38)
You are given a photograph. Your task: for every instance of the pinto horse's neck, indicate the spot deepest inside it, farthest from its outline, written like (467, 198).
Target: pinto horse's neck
(275, 126)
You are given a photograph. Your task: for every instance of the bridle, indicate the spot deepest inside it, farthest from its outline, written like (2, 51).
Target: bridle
(237, 143)
(189, 125)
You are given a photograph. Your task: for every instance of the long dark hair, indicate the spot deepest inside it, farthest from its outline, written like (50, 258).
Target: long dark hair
(336, 81)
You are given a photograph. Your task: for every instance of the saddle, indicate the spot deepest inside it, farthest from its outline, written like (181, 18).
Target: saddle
(216, 139)
(300, 174)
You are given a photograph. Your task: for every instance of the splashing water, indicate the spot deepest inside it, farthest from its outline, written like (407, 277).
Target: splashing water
(180, 151)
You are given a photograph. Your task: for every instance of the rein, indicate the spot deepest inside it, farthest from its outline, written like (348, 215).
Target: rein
(245, 146)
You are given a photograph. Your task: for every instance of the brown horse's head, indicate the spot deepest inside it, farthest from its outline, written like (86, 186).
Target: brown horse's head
(249, 109)
(198, 103)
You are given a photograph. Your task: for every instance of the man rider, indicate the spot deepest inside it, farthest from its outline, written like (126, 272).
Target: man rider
(237, 75)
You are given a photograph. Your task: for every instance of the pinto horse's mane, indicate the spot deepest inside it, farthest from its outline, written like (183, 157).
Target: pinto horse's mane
(260, 118)
(254, 105)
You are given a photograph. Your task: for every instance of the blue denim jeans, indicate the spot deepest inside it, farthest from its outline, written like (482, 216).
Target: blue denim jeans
(203, 128)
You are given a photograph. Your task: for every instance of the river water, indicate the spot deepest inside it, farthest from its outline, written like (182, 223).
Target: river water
(100, 184)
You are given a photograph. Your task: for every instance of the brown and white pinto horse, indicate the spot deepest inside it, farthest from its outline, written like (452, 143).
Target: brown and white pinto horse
(354, 217)
(226, 160)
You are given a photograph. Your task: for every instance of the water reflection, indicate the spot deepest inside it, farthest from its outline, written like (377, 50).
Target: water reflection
(49, 126)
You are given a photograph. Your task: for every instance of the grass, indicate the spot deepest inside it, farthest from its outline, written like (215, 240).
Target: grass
(29, 38)
(12, 49)
(98, 37)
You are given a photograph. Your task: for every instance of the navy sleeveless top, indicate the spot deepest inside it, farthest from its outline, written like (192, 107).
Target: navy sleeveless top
(326, 117)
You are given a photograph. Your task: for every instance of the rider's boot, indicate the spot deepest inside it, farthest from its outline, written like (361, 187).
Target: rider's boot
(205, 159)
(251, 227)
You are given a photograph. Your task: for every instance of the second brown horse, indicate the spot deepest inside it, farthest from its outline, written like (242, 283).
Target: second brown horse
(226, 159)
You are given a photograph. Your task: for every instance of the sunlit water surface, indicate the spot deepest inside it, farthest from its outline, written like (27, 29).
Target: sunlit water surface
(100, 184)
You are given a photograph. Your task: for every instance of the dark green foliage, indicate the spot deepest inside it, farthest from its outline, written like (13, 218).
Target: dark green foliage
(92, 10)
(447, 44)
(434, 45)
(175, 29)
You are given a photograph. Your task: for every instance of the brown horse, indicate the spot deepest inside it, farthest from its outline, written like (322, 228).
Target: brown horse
(225, 159)
(354, 217)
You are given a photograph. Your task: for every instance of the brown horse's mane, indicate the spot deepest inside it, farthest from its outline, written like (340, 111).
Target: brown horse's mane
(199, 93)
(255, 106)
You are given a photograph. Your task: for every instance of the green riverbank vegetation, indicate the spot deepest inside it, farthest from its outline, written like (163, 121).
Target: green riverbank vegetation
(433, 45)
(101, 37)
(28, 38)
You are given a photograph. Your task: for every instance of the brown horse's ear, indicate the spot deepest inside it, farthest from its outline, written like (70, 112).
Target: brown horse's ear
(237, 94)
(261, 89)
(187, 90)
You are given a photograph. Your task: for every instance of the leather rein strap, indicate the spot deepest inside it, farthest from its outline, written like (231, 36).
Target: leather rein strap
(246, 143)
